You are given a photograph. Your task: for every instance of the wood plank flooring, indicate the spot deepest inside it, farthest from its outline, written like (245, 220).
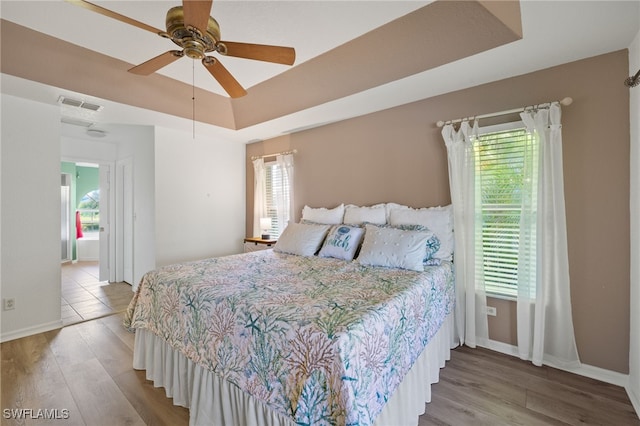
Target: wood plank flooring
(482, 387)
(84, 371)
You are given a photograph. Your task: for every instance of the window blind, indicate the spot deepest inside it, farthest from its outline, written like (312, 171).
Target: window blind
(500, 161)
(277, 193)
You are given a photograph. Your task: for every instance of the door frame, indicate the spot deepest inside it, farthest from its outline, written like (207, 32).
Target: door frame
(108, 258)
(124, 232)
(107, 253)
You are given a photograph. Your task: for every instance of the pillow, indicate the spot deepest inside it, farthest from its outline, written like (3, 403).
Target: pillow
(393, 248)
(432, 246)
(342, 242)
(438, 219)
(354, 215)
(391, 206)
(322, 215)
(301, 239)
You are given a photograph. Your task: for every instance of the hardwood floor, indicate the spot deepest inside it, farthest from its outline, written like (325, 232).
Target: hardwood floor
(482, 387)
(84, 372)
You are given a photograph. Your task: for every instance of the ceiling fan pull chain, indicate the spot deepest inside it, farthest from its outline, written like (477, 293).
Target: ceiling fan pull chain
(193, 96)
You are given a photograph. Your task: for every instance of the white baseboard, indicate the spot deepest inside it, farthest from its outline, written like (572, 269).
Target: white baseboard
(597, 373)
(503, 348)
(28, 331)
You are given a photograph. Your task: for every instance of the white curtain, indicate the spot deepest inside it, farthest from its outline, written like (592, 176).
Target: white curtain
(284, 200)
(259, 195)
(470, 311)
(545, 324)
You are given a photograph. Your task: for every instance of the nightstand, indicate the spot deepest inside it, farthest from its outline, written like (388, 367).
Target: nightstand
(256, 243)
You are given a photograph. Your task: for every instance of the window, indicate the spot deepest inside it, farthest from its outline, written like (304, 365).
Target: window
(505, 198)
(89, 208)
(277, 194)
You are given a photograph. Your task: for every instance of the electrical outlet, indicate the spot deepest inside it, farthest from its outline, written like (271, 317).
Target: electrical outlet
(9, 304)
(491, 310)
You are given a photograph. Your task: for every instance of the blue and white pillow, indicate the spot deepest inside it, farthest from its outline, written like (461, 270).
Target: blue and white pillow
(432, 244)
(437, 219)
(342, 242)
(393, 248)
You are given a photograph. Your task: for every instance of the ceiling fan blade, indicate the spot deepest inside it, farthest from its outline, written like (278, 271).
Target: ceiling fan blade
(111, 14)
(196, 13)
(259, 52)
(154, 64)
(224, 77)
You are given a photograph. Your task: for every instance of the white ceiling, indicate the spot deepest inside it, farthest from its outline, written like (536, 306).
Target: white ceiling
(555, 32)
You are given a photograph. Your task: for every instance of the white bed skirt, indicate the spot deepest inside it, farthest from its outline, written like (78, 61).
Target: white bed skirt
(214, 401)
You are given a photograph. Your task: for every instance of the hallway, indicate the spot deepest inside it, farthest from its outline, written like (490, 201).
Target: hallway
(84, 297)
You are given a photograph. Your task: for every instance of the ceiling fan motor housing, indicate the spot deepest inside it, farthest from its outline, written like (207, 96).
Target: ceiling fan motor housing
(194, 43)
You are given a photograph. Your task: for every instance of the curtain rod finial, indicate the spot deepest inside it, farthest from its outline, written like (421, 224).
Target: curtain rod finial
(440, 123)
(566, 101)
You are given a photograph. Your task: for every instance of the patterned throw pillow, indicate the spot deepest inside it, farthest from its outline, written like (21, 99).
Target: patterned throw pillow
(393, 248)
(437, 219)
(432, 245)
(342, 242)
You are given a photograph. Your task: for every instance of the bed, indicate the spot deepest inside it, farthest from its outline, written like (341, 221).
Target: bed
(277, 338)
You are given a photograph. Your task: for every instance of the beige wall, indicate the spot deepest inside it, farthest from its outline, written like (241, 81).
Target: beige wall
(398, 155)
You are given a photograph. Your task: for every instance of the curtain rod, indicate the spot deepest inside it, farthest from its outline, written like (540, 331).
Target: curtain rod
(566, 101)
(293, 151)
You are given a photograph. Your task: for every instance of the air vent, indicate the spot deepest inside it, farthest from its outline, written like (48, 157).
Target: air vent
(69, 101)
(76, 121)
(97, 133)
(92, 107)
(63, 100)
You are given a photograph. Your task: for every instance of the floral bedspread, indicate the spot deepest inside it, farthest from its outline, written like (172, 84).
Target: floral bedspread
(320, 340)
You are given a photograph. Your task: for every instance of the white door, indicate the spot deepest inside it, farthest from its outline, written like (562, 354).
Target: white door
(105, 197)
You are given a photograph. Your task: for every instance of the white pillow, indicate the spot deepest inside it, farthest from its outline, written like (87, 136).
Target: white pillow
(323, 215)
(393, 248)
(301, 239)
(391, 206)
(354, 215)
(438, 219)
(342, 242)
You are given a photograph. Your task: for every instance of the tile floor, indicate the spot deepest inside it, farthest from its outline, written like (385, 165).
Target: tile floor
(84, 297)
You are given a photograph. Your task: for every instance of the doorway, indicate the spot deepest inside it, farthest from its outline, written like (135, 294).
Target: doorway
(89, 286)
(88, 202)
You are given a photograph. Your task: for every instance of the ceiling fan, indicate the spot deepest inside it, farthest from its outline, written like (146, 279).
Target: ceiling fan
(190, 27)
